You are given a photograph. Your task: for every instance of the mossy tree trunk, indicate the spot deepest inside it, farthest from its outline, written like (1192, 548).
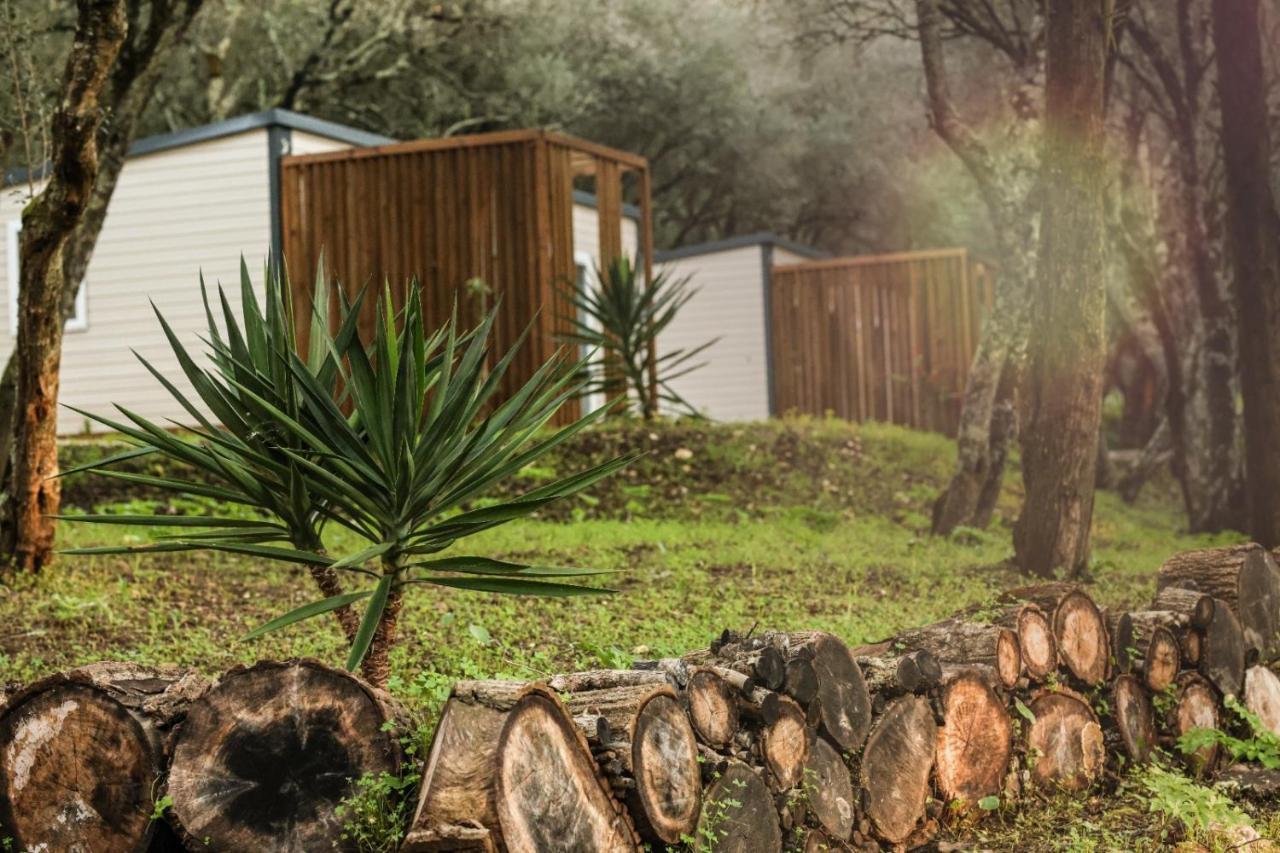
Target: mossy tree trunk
(1068, 340)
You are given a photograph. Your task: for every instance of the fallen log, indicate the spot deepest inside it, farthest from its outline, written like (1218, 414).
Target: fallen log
(80, 753)
(966, 642)
(829, 788)
(1159, 650)
(975, 741)
(508, 757)
(1262, 696)
(1197, 708)
(1133, 718)
(1244, 577)
(888, 675)
(1079, 630)
(1066, 739)
(265, 755)
(754, 656)
(644, 744)
(897, 763)
(607, 679)
(1197, 607)
(738, 814)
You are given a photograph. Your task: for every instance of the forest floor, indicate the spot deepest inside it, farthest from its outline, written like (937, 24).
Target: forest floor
(781, 525)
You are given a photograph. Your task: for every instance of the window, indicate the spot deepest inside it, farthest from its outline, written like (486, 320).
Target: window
(585, 266)
(79, 319)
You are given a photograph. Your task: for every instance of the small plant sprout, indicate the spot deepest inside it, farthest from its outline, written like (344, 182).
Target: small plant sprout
(394, 440)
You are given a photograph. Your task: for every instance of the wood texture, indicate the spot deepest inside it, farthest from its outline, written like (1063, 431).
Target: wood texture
(1067, 740)
(738, 813)
(1262, 696)
(887, 338)
(975, 741)
(896, 767)
(830, 790)
(1245, 577)
(1134, 718)
(80, 754)
(266, 755)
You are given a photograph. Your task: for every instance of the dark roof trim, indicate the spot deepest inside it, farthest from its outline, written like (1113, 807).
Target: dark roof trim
(253, 121)
(277, 118)
(587, 199)
(762, 238)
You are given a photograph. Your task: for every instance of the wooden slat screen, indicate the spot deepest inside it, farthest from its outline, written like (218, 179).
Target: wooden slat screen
(887, 338)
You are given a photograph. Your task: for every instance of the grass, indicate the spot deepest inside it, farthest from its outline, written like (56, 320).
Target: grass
(787, 525)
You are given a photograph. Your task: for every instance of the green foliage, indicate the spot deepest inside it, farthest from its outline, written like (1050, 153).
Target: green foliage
(1198, 807)
(1261, 745)
(375, 815)
(400, 468)
(623, 319)
(161, 806)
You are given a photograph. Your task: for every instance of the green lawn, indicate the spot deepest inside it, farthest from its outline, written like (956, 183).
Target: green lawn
(797, 524)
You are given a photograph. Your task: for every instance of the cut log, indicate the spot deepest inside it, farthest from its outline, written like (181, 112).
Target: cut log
(1065, 740)
(738, 814)
(961, 641)
(1037, 646)
(896, 766)
(713, 708)
(890, 675)
(830, 790)
(975, 741)
(1159, 652)
(1133, 718)
(508, 757)
(1197, 708)
(754, 656)
(1245, 577)
(1262, 696)
(777, 725)
(1079, 630)
(1197, 607)
(266, 755)
(80, 754)
(1192, 646)
(844, 704)
(1222, 652)
(1120, 630)
(644, 744)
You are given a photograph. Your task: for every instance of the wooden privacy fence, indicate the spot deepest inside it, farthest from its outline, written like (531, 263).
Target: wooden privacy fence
(495, 208)
(885, 338)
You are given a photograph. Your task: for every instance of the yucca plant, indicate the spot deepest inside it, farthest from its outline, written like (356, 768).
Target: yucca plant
(622, 320)
(419, 435)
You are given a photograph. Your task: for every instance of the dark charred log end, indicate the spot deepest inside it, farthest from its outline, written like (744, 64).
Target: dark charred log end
(908, 675)
(846, 704)
(771, 708)
(928, 667)
(738, 812)
(801, 682)
(604, 734)
(831, 798)
(266, 755)
(1222, 655)
(771, 668)
(1120, 628)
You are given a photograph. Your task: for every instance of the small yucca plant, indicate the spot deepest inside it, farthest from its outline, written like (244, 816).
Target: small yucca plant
(391, 440)
(622, 319)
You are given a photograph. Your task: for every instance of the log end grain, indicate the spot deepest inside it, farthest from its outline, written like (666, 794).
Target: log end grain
(1162, 659)
(738, 814)
(1036, 641)
(1197, 708)
(830, 790)
(842, 693)
(1066, 741)
(896, 766)
(1134, 718)
(1262, 696)
(713, 708)
(665, 761)
(975, 742)
(1081, 633)
(785, 741)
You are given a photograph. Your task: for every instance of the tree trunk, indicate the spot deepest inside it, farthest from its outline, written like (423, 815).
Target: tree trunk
(30, 494)
(1254, 227)
(80, 754)
(508, 757)
(976, 739)
(1244, 577)
(988, 417)
(896, 767)
(266, 755)
(1068, 341)
(376, 667)
(1067, 740)
(738, 814)
(644, 744)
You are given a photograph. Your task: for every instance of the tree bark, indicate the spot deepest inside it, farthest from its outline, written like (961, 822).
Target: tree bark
(988, 417)
(30, 493)
(1068, 341)
(960, 641)
(1254, 228)
(1244, 577)
(80, 754)
(266, 755)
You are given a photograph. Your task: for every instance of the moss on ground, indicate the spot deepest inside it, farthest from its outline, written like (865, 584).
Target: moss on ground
(790, 524)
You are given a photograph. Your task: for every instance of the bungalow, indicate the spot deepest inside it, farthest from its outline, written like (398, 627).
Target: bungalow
(190, 202)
